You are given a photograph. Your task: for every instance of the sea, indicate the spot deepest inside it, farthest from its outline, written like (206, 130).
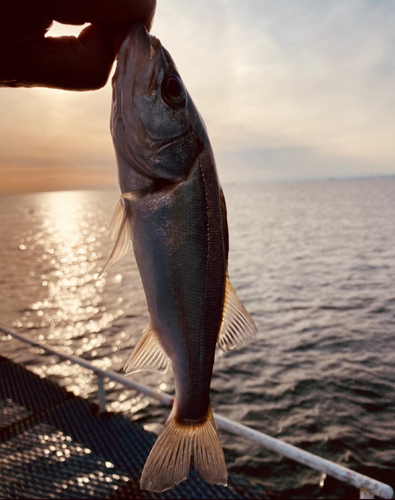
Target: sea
(314, 264)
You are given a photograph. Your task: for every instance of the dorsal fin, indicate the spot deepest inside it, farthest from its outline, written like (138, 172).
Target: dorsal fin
(237, 326)
(148, 354)
(119, 233)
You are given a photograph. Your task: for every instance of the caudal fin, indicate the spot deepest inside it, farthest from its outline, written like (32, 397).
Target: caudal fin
(170, 459)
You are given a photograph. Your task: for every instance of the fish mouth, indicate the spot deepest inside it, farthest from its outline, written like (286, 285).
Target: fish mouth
(135, 76)
(143, 127)
(138, 55)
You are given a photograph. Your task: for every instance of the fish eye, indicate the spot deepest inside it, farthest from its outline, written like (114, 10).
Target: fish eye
(173, 91)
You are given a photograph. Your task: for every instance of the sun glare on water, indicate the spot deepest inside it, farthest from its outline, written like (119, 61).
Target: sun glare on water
(68, 307)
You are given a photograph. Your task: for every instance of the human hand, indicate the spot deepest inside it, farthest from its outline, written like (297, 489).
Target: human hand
(29, 59)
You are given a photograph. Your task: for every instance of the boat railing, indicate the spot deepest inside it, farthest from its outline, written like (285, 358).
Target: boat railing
(368, 487)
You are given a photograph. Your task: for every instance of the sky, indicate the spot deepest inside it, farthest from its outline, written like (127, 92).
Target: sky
(289, 91)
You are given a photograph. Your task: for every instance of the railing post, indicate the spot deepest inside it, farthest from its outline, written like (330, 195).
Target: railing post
(101, 393)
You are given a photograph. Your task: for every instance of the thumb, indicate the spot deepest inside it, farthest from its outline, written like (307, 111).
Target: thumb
(67, 62)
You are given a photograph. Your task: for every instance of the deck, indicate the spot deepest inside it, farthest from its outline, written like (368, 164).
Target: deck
(54, 444)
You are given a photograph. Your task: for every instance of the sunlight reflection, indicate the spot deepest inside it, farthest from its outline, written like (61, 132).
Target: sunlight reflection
(71, 310)
(73, 296)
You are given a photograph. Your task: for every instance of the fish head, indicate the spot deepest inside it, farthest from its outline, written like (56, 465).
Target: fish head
(154, 123)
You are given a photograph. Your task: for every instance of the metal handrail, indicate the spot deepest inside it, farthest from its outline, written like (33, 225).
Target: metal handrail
(367, 486)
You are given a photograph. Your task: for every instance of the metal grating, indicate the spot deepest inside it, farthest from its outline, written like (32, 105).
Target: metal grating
(56, 445)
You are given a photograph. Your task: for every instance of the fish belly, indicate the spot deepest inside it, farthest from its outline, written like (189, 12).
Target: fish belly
(180, 250)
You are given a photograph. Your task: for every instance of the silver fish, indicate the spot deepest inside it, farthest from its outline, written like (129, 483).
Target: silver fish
(173, 209)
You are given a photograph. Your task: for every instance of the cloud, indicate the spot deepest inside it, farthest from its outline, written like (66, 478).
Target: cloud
(57, 139)
(283, 74)
(277, 82)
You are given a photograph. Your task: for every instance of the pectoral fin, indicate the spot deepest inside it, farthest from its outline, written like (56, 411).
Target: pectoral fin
(119, 234)
(120, 227)
(237, 326)
(148, 354)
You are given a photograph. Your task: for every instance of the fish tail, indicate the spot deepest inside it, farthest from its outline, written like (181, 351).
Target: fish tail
(170, 459)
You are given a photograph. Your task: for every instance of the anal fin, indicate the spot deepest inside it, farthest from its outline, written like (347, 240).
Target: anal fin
(237, 326)
(148, 354)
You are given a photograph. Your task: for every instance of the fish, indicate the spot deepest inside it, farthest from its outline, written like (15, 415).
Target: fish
(172, 208)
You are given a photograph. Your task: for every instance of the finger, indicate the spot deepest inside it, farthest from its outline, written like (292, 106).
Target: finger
(69, 63)
(23, 21)
(114, 12)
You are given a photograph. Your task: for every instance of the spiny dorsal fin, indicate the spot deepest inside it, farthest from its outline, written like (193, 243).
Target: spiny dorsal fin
(119, 233)
(148, 354)
(237, 326)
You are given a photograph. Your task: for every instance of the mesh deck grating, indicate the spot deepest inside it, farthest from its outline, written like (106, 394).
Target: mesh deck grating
(55, 445)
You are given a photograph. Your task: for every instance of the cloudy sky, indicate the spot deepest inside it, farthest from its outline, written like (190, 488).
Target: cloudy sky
(289, 90)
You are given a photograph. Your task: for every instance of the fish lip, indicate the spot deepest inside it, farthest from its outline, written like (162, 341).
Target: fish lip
(142, 63)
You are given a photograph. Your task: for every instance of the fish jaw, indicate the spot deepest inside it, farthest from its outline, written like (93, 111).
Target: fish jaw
(127, 130)
(154, 139)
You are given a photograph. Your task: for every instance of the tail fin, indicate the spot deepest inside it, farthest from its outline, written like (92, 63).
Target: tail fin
(170, 459)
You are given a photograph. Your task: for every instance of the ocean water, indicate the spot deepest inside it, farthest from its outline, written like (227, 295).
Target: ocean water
(314, 263)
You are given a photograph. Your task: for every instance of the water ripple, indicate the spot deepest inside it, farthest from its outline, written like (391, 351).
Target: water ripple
(314, 263)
